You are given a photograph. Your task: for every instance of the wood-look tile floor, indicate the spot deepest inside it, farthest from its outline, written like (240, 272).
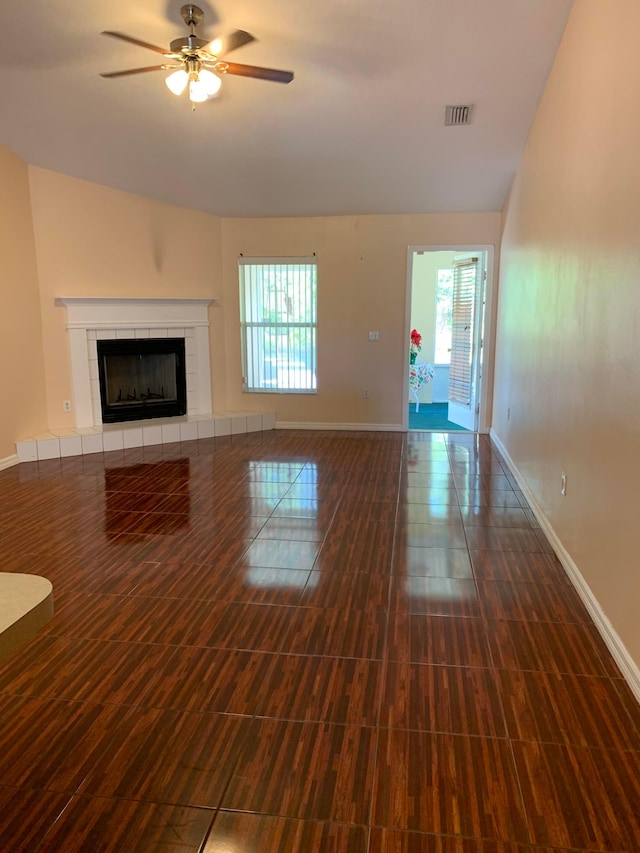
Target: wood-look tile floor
(300, 641)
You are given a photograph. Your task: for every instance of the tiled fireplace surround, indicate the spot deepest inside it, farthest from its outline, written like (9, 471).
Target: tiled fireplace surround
(90, 320)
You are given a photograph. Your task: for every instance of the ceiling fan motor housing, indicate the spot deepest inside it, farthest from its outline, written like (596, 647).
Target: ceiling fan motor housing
(188, 44)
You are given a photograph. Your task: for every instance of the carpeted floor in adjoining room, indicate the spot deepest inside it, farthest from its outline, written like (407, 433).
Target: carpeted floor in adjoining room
(432, 416)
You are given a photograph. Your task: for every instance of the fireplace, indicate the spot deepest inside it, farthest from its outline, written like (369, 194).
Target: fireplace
(94, 319)
(142, 378)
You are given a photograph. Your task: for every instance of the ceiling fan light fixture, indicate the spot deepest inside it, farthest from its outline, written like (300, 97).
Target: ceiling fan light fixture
(215, 47)
(210, 81)
(197, 91)
(177, 82)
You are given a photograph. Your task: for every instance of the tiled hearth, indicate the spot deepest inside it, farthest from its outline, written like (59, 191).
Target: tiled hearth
(104, 438)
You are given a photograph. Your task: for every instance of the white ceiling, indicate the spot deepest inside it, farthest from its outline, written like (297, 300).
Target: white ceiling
(359, 131)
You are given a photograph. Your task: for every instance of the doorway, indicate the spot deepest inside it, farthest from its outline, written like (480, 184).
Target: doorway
(447, 304)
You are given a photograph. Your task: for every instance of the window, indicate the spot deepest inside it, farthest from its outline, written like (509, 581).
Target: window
(444, 312)
(278, 317)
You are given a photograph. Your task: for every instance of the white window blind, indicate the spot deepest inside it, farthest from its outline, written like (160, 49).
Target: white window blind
(464, 297)
(278, 317)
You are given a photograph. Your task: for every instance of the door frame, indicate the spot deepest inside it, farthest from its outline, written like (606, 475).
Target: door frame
(487, 333)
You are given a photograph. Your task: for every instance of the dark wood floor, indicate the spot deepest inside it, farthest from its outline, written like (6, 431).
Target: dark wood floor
(298, 641)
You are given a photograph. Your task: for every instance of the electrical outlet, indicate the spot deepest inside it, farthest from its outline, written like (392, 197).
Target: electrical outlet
(563, 483)
(66, 405)
(365, 393)
(374, 336)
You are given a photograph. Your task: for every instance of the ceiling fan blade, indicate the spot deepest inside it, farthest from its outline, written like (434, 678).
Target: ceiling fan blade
(131, 40)
(135, 71)
(272, 74)
(232, 41)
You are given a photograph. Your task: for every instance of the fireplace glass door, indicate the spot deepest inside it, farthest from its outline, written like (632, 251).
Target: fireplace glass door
(142, 379)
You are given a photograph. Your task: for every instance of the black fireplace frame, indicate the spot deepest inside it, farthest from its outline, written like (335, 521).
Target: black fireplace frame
(147, 409)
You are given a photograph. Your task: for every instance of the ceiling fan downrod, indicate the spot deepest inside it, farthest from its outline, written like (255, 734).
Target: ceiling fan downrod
(191, 43)
(192, 16)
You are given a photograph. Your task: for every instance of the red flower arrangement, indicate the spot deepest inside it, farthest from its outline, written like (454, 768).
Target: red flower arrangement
(416, 345)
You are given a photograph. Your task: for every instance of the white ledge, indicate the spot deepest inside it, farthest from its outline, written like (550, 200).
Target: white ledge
(128, 300)
(103, 312)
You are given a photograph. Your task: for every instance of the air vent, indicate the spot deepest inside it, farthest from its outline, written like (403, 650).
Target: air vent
(458, 114)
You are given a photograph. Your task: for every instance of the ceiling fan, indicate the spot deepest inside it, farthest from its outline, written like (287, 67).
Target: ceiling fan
(196, 61)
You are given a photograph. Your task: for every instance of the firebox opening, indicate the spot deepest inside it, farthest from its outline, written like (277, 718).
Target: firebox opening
(142, 379)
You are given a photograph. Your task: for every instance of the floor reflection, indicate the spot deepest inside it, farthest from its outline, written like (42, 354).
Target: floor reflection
(135, 494)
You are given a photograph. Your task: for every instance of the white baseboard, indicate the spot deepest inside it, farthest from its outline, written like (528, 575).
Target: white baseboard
(628, 666)
(8, 461)
(349, 427)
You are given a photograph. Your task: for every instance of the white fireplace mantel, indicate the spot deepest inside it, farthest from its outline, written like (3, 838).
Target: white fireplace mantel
(103, 317)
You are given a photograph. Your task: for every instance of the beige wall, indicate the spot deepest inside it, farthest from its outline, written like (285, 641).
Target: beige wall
(22, 383)
(362, 270)
(95, 241)
(568, 347)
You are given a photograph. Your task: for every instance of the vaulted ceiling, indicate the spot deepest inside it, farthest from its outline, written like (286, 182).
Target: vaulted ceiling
(360, 130)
